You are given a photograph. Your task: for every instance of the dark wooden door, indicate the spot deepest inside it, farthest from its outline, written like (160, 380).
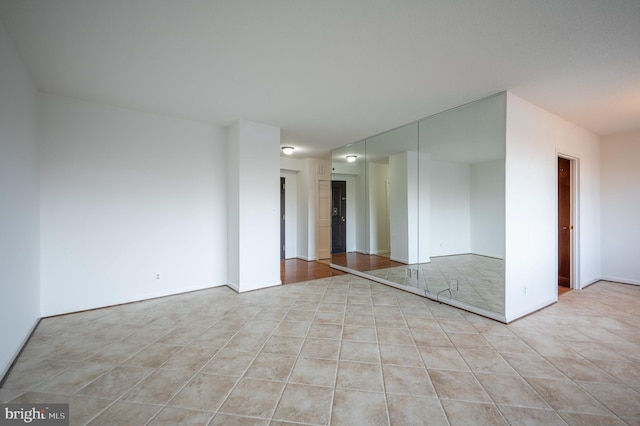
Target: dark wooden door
(282, 218)
(564, 222)
(338, 216)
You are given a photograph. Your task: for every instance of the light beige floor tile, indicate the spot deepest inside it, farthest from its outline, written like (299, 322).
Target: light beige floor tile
(77, 376)
(396, 322)
(442, 358)
(268, 366)
(626, 371)
(400, 355)
(205, 392)
(314, 371)
(469, 341)
(304, 404)
(548, 346)
(395, 336)
(581, 419)
(424, 337)
(511, 390)
(486, 361)
(360, 376)
(320, 348)
(159, 387)
(247, 342)
(620, 399)
(116, 382)
(125, 413)
(222, 419)
(300, 315)
(189, 359)
(153, 356)
(530, 416)
(411, 410)
(581, 369)
(293, 328)
(354, 318)
(116, 352)
(284, 345)
(229, 363)
(407, 381)
(358, 333)
(472, 413)
(36, 373)
(325, 331)
(263, 396)
(366, 408)
(532, 365)
(565, 395)
(182, 336)
(171, 416)
(509, 343)
(324, 317)
(359, 351)
(458, 385)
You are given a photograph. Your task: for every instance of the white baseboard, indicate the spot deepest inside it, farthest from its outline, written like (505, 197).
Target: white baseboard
(620, 280)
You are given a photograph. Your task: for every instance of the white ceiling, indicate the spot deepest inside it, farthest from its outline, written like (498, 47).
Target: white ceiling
(331, 72)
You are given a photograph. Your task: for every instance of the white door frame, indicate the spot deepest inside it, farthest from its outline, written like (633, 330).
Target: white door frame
(574, 256)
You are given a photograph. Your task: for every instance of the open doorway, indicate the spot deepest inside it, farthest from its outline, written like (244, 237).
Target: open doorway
(282, 218)
(566, 220)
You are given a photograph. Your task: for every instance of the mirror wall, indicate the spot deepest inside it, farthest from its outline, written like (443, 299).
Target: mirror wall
(421, 207)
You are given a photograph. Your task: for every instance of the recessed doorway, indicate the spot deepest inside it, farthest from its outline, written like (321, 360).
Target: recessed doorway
(566, 220)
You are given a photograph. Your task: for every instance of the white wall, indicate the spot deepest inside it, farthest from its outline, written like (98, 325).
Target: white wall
(378, 176)
(620, 204)
(254, 199)
(534, 139)
(487, 208)
(19, 199)
(126, 195)
(450, 208)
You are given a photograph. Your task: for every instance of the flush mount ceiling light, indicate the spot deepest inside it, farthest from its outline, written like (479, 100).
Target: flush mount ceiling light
(351, 158)
(288, 150)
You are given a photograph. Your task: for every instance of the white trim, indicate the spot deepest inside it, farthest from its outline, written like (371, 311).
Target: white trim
(619, 280)
(574, 241)
(234, 287)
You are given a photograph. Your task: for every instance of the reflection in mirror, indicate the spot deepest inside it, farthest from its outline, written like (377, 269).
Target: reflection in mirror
(425, 211)
(348, 200)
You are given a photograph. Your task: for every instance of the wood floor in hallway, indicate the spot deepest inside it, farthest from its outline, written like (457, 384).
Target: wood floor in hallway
(298, 270)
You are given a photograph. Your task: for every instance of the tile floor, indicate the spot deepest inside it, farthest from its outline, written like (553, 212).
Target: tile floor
(341, 350)
(480, 279)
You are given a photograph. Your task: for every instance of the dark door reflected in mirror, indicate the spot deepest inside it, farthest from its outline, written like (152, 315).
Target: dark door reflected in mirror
(338, 216)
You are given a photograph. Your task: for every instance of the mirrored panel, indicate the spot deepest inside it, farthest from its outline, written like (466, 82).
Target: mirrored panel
(424, 208)
(349, 221)
(462, 157)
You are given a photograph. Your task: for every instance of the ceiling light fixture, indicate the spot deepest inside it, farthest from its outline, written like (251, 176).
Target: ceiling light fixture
(288, 150)
(351, 158)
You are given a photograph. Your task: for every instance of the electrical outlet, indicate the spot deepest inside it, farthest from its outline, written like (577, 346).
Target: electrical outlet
(525, 291)
(157, 276)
